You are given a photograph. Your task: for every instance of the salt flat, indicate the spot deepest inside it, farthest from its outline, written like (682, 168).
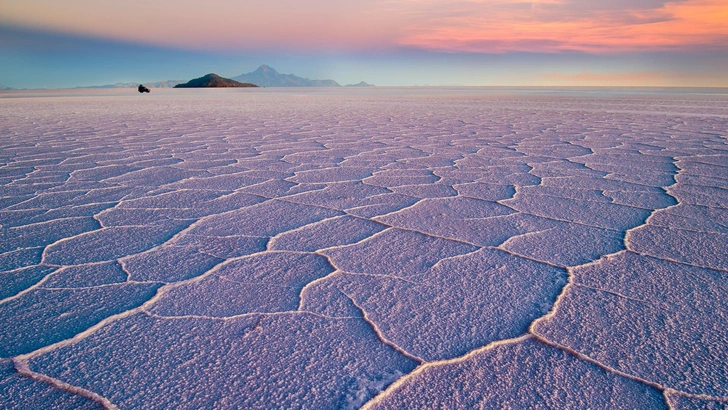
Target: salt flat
(380, 248)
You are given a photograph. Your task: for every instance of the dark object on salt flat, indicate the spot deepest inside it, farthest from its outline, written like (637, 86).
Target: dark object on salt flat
(143, 89)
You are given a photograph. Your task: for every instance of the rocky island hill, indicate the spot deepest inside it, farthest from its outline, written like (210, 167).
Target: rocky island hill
(211, 81)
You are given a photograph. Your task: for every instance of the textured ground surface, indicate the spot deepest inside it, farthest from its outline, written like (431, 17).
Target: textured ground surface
(385, 248)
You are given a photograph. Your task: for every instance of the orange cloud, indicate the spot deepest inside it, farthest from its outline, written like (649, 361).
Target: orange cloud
(549, 27)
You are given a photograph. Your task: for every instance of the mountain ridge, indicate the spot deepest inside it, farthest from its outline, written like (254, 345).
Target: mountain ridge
(264, 76)
(267, 76)
(360, 84)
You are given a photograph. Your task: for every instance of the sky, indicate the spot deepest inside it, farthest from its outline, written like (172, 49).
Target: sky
(54, 44)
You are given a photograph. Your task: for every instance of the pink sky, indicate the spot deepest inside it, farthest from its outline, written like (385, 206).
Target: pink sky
(485, 26)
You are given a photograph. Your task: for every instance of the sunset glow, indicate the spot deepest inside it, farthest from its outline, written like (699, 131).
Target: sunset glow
(544, 28)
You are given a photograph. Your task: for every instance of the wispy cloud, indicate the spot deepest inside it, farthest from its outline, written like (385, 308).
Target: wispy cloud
(481, 26)
(216, 24)
(586, 26)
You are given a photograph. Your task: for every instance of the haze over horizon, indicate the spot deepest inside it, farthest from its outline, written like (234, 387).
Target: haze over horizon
(47, 44)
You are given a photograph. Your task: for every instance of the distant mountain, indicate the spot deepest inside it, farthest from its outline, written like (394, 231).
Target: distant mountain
(162, 84)
(158, 84)
(361, 84)
(4, 88)
(213, 80)
(266, 76)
